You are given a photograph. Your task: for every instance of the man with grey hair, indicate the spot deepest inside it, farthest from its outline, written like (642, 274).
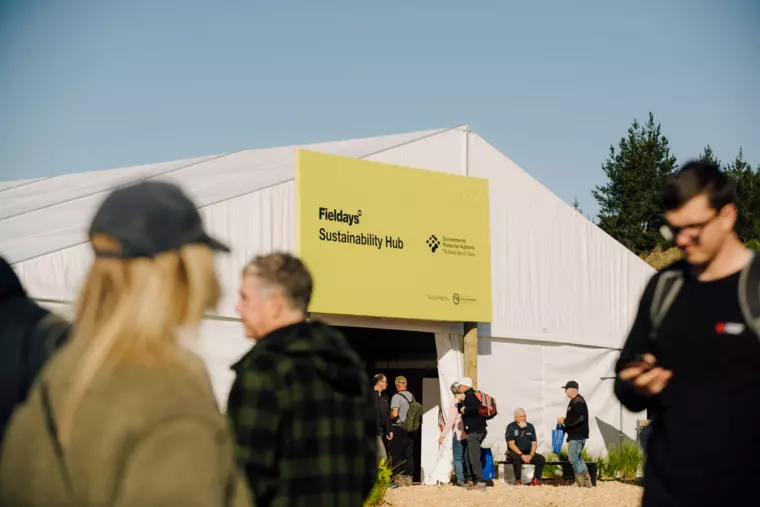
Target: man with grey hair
(301, 403)
(521, 439)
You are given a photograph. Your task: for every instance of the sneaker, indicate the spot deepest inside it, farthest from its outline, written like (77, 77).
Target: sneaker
(587, 481)
(480, 486)
(489, 484)
(534, 482)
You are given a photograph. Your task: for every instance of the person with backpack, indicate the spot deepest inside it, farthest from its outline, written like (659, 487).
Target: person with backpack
(475, 425)
(406, 414)
(29, 335)
(693, 353)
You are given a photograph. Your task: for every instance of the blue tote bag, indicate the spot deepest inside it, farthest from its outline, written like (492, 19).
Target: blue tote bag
(486, 459)
(558, 438)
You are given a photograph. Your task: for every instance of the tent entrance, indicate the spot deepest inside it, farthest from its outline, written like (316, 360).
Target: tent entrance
(407, 353)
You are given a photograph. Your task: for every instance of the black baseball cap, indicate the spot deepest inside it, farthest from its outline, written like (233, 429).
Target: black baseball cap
(571, 385)
(149, 218)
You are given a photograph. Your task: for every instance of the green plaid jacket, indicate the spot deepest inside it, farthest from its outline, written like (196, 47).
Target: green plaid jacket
(304, 417)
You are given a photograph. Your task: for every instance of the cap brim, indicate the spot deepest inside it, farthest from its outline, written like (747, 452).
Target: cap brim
(217, 245)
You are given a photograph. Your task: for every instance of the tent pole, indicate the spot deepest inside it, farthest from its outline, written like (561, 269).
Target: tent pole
(471, 352)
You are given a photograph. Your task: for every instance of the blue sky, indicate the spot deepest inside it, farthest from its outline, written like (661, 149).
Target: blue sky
(90, 85)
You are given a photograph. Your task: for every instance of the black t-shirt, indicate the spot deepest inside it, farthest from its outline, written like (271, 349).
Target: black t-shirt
(706, 419)
(523, 437)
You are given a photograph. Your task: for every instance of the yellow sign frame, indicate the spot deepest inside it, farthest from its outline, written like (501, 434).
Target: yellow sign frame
(389, 241)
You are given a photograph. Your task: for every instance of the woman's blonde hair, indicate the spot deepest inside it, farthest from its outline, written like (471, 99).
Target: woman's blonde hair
(130, 309)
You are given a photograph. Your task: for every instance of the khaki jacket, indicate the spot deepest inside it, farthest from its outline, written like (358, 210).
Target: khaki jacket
(141, 437)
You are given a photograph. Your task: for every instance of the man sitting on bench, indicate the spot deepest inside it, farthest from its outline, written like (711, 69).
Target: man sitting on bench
(521, 438)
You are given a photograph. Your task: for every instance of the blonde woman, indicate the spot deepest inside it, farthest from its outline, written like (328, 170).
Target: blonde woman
(454, 424)
(124, 415)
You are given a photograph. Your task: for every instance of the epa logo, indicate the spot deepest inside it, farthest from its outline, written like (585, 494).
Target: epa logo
(433, 243)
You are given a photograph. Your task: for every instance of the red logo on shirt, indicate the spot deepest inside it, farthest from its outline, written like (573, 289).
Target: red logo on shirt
(720, 327)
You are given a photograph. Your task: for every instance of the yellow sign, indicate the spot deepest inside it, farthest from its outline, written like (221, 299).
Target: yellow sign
(390, 241)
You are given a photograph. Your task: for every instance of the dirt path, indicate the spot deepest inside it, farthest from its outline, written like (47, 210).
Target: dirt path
(606, 494)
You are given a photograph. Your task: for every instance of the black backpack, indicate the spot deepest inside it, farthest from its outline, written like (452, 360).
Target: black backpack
(671, 281)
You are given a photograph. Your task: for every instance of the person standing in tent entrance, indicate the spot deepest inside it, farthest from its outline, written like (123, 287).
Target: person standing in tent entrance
(693, 353)
(576, 426)
(29, 335)
(475, 425)
(402, 445)
(382, 404)
(124, 414)
(454, 423)
(301, 403)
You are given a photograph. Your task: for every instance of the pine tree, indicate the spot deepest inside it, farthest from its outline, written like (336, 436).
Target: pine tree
(709, 155)
(630, 208)
(747, 182)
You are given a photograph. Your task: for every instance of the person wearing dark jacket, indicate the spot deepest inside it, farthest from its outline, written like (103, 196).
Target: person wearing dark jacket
(692, 356)
(576, 427)
(29, 334)
(475, 425)
(301, 404)
(383, 407)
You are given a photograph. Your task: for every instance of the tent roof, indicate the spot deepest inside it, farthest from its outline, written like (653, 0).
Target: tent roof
(44, 215)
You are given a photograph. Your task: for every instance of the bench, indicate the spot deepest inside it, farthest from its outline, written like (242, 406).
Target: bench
(567, 468)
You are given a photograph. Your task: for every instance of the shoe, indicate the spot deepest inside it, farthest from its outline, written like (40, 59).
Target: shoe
(393, 485)
(580, 481)
(489, 484)
(518, 482)
(480, 486)
(534, 482)
(587, 480)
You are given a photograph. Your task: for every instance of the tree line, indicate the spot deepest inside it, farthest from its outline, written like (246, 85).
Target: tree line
(636, 170)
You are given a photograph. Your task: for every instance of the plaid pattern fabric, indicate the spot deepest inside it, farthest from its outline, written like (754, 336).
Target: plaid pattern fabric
(305, 420)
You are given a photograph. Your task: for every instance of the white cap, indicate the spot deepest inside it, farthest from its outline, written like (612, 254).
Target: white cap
(466, 381)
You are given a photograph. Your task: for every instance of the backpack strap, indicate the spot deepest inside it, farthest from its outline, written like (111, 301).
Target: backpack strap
(52, 429)
(749, 293)
(668, 285)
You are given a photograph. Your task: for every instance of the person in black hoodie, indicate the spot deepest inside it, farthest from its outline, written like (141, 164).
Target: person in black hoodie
(29, 334)
(475, 425)
(576, 426)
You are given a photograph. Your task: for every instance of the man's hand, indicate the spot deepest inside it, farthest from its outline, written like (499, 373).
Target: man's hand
(561, 420)
(440, 440)
(461, 410)
(647, 379)
(390, 436)
(526, 458)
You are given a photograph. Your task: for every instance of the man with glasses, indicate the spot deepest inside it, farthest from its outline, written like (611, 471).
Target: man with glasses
(382, 406)
(692, 357)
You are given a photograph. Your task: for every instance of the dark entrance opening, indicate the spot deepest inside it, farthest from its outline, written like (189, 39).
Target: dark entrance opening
(397, 353)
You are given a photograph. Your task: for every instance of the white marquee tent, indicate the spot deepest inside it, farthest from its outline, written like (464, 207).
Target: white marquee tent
(564, 292)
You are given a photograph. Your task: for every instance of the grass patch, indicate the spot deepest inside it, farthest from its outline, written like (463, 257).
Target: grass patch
(624, 459)
(386, 473)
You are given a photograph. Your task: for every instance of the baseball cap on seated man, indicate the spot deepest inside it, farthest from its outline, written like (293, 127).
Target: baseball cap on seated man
(149, 218)
(571, 385)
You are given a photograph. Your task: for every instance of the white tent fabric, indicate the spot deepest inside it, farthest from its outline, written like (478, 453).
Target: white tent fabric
(564, 292)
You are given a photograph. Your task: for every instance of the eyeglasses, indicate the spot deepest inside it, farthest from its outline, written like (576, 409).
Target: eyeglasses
(694, 231)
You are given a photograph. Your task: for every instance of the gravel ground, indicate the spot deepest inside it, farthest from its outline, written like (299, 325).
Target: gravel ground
(605, 494)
